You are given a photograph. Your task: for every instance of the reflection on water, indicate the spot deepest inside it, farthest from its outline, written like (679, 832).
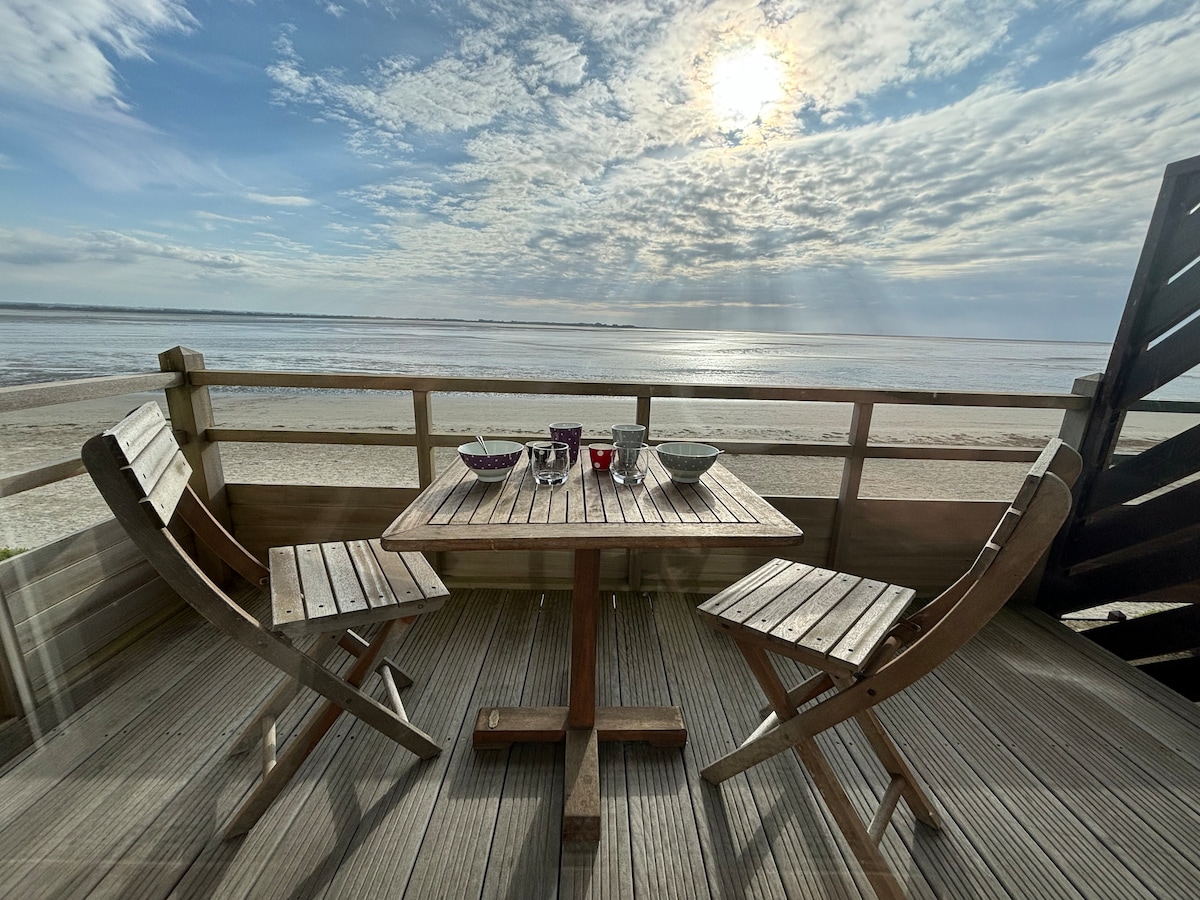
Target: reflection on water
(48, 345)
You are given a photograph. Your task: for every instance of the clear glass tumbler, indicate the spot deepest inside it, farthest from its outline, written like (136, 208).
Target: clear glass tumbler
(550, 461)
(629, 463)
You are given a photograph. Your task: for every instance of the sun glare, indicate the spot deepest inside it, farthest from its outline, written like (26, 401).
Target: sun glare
(745, 83)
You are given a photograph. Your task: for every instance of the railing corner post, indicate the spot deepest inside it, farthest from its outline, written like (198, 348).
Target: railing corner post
(423, 426)
(1074, 421)
(852, 468)
(190, 409)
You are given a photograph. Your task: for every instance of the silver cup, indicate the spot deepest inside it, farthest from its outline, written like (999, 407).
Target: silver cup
(550, 461)
(628, 434)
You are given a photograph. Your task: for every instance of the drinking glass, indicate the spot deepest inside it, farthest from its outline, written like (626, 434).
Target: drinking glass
(550, 461)
(629, 463)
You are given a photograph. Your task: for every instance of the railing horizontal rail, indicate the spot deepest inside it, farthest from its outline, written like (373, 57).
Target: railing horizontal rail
(53, 393)
(756, 448)
(365, 381)
(312, 436)
(40, 476)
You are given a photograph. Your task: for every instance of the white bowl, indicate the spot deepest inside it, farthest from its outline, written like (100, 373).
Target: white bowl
(493, 465)
(686, 461)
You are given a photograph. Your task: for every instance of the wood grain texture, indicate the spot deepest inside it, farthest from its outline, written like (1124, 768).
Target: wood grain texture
(458, 512)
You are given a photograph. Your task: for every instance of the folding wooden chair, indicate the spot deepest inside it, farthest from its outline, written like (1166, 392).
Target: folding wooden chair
(855, 631)
(317, 590)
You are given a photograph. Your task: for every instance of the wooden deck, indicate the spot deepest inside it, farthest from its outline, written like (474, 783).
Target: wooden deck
(1061, 772)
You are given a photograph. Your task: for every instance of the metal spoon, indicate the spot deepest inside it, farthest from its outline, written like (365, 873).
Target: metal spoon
(482, 443)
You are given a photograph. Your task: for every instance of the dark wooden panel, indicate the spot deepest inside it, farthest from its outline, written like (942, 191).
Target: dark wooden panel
(1156, 634)
(1152, 307)
(1165, 463)
(1182, 675)
(1171, 357)
(1175, 565)
(1174, 302)
(1181, 247)
(1129, 526)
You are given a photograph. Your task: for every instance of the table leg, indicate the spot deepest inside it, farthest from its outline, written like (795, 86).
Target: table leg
(584, 603)
(581, 724)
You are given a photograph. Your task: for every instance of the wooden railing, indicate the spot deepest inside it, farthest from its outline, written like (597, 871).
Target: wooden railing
(187, 383)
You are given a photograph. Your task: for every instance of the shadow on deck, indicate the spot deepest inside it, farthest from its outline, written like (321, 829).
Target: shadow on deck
(1060, 771)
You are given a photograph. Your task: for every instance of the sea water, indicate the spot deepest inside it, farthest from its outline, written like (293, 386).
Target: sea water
(41, 345)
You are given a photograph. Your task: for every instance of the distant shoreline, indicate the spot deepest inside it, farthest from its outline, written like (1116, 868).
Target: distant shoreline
(261, 314)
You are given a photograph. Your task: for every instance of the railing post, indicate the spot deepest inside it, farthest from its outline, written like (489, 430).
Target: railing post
(423, 426)
(1075, 420)
(847, 505)
(633, 559)
(643, 412)
(190, 409)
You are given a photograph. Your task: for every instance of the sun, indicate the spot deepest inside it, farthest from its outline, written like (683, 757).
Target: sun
(745, 83)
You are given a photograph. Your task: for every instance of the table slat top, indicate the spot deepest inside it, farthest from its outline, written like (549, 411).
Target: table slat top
(459, 512)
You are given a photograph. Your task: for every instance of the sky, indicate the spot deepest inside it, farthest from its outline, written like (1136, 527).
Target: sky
(973, 168)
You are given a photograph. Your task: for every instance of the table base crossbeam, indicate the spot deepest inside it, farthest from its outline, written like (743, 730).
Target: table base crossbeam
(499, 727)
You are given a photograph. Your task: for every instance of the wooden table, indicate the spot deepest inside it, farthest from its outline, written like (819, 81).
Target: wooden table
(587, 514)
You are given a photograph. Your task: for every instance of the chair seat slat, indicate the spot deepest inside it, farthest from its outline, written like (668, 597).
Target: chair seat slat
(857, 604)
(798, 625)
(343, 578)
(722, 602)
(871, 629)
(762, 616)
(287, 600)
(376, 588)
(415, 584)
(319, 602)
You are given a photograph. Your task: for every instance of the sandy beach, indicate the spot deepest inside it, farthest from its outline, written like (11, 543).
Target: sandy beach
(30, 438)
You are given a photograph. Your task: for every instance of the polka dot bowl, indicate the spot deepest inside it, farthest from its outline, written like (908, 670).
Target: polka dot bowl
(495, 463)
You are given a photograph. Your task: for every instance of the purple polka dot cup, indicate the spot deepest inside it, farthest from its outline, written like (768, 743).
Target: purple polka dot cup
(570, 433)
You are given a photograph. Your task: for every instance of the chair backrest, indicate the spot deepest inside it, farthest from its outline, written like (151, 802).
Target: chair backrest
(930, 636)
(143, 444)
(1058, 461)
(142, 475)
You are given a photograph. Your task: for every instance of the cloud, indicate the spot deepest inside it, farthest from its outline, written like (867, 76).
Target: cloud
(607, 164)
(60, 87)
(30, 247)
(59, 52)
(280, 200)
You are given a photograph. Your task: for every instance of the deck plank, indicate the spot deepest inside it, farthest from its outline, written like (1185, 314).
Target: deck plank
(88, 820)
(1060, 772)
(1115, 793)
(662, 821)
(391, 796)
